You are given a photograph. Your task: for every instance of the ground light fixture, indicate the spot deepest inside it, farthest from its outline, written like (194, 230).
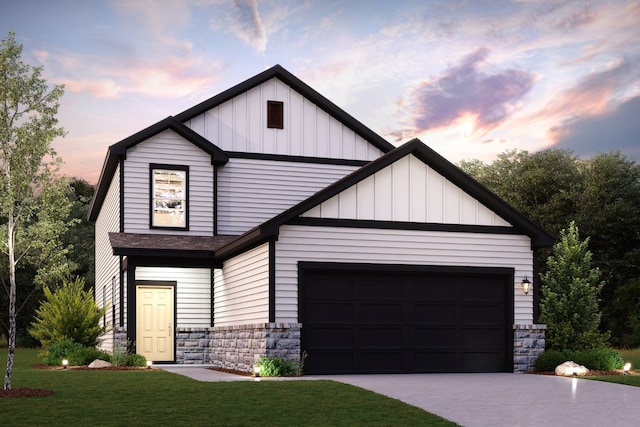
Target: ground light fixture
(526, 285)
(256, 372)
(65, 363)
(149, 364)
(626, 368)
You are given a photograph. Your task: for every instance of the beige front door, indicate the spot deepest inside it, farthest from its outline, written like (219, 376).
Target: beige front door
(154, 322)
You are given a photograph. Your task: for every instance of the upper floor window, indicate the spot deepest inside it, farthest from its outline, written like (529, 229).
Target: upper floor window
(169, 196)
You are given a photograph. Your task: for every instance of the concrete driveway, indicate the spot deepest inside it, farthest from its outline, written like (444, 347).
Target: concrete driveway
(489, 399)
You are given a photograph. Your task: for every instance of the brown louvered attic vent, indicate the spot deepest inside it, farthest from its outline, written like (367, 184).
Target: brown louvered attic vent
(275, 114)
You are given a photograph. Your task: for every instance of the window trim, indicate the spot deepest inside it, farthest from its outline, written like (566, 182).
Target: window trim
(275, 114)
(181, 168)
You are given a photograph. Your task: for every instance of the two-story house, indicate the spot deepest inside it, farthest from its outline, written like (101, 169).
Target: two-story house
(268, 221)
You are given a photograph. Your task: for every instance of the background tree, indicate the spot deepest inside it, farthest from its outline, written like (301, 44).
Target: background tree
(570, 296)
(602, 195)
(33, 204)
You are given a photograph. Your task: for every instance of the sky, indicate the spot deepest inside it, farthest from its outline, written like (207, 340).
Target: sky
(470, 78)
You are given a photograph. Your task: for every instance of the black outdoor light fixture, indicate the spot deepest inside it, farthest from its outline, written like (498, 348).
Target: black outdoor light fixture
(526, 285)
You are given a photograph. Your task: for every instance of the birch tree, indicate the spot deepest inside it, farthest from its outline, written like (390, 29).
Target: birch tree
(33, 202)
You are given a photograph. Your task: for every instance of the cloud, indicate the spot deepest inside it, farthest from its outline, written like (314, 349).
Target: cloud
(244, 22)
(615, 130)
(595, 93)
(465, 91)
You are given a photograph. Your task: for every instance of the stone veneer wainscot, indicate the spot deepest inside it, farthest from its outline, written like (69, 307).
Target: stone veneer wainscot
(528, 343)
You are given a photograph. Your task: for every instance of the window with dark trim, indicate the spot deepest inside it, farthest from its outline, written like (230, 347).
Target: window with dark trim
(169, 199)
(275, 114)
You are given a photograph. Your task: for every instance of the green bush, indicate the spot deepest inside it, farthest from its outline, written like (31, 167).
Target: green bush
(600, 359)
(56, 351)
(69, 313)
(275, 367)
(136, 360)
(85, 355)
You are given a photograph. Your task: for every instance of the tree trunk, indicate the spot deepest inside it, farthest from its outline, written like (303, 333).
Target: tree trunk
(12, 305)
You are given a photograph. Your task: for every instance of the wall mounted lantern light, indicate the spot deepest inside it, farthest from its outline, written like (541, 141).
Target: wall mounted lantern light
(526, 285)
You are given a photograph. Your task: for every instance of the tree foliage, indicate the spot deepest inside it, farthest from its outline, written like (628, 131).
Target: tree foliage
(602, 196)
(570, 296)
(33, 203)
(69, 313)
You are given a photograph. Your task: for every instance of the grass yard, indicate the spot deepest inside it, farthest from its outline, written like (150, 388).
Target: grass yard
(157, 397)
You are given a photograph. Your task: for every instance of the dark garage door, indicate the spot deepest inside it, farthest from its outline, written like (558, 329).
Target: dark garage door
(396, 319)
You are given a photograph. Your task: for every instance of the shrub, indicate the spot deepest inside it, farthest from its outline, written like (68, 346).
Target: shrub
(600, 359)
(136, 360)
(56, 351)
(275, 367)
(85, 355)
(69, 313)
(548, 360)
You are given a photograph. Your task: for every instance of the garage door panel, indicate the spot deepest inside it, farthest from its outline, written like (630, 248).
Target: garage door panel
(385, 289)
(481, 362)
(482, 338)
(488, 314)
(434, 338)
(435, 361)
(380, 338)
(373, 313)
(434, 313)
(407, 321)
(328, 337)
(380, 362)
(334, 287)
(334, 312)
(331, 362)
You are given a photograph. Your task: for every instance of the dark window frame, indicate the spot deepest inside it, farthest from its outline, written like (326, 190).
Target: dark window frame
(178, 168)
(275, 114)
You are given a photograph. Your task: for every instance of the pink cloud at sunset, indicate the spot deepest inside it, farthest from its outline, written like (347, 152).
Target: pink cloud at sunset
(470, 79)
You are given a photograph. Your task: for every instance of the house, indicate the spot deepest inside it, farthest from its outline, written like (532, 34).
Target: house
(268, 221)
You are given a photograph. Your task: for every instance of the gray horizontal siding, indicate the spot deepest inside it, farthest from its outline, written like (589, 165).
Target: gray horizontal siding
(251, 192)
(326, 244)
(168, 148)
(241, 289)
(193, 292)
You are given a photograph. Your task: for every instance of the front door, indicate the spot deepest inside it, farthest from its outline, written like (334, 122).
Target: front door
(154, 323)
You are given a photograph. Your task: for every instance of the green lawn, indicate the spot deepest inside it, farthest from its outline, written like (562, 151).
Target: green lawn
(157, 397)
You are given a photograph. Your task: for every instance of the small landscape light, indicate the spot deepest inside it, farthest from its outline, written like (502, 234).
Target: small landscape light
(626, 368)
(256, 370)
(149, 364)
(65, 363)
(526, 285)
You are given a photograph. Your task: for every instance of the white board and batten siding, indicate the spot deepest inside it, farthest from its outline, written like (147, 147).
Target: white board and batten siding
(407, 190)
(240, 125)
(107, 265)
(168, 148)
(241, 289)
(193, 292)
(298, 243)
(252, 191)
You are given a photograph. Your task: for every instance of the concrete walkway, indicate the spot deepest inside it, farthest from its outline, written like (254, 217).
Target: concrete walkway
(489, 399)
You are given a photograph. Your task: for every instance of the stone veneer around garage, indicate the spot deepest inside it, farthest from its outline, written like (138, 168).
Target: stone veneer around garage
(528, 343)
(239, 347)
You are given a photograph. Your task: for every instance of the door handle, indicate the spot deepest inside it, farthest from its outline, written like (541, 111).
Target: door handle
(169, 328)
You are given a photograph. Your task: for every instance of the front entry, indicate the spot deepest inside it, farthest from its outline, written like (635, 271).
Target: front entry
(154, 322)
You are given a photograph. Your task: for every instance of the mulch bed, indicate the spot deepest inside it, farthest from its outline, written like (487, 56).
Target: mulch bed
(24, 392)
(231, 371)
